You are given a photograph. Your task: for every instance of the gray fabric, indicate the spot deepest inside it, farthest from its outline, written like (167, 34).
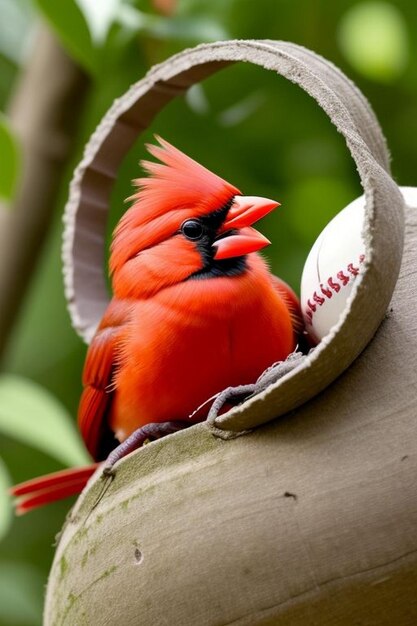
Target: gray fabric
(307, 521)
(346, 107)
(236, 395)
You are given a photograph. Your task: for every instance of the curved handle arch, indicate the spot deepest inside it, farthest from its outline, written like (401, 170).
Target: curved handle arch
(87, 207)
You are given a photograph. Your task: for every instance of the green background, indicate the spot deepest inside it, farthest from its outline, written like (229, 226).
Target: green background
(251, 127)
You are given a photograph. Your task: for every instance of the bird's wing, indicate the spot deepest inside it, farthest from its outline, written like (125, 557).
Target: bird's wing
(97, 380)
(292, 302)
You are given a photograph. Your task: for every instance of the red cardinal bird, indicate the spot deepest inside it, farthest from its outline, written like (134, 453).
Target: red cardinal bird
(194, 310)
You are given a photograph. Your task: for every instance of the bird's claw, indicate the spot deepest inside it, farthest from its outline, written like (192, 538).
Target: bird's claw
(154, 430)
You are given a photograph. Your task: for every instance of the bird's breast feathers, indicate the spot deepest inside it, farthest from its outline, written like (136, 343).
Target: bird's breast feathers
(201, 337)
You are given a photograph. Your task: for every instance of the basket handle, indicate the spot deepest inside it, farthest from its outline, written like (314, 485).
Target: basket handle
(88, 205)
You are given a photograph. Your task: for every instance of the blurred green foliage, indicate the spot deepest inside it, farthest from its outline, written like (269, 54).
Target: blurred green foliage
(250, 126)
(10, 160)
(71, 26)
(49, 428)
(373, 37)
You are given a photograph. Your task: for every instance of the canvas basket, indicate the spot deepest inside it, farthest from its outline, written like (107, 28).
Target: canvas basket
(310, 518)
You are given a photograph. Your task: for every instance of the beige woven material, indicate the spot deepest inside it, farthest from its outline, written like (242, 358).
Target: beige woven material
(87, 208)
(309, 521)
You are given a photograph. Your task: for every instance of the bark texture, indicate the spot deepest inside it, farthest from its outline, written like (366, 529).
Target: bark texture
(310, 519)
(307, 519)
(44, 112)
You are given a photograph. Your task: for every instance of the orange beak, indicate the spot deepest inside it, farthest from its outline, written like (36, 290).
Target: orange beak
(245, 211)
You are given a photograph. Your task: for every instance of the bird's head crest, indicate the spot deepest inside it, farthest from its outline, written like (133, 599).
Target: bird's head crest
(175, 189)
(179, 182)
(185, 222)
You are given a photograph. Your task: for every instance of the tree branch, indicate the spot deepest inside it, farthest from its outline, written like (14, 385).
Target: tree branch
(44, 112)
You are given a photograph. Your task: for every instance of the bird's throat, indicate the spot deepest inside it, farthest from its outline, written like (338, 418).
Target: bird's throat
(216, 269)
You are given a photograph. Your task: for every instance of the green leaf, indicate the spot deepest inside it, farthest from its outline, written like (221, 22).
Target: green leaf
(34, 417)
(204, 7)
(193, 29)
(373, 37)
(5, 507)
(21, 594)
(15, 27)
(9, 160)
(71, 27)
(99, 16)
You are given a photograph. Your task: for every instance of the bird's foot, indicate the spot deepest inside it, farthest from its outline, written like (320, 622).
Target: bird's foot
(233, 396)
(228, 398)
(154, 430)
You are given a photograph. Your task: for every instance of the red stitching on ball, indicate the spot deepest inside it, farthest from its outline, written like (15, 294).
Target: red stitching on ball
(343, 278)
(318, 298)
(353, 270)
(326, 291)
(333, 286)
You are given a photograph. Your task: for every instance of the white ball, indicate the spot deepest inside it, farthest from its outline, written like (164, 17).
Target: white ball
(330, 270)
(333, 264)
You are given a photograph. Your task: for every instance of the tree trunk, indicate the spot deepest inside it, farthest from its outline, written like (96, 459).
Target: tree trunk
(44, 112)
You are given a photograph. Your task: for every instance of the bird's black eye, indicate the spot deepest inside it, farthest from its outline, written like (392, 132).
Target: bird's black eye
(192, 229)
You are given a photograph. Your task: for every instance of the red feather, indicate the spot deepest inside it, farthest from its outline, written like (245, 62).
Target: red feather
(38, 491)
(292, 302)
(167, 343)
(97, 378)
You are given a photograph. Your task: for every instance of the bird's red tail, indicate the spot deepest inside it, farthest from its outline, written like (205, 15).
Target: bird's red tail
(36, 492)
